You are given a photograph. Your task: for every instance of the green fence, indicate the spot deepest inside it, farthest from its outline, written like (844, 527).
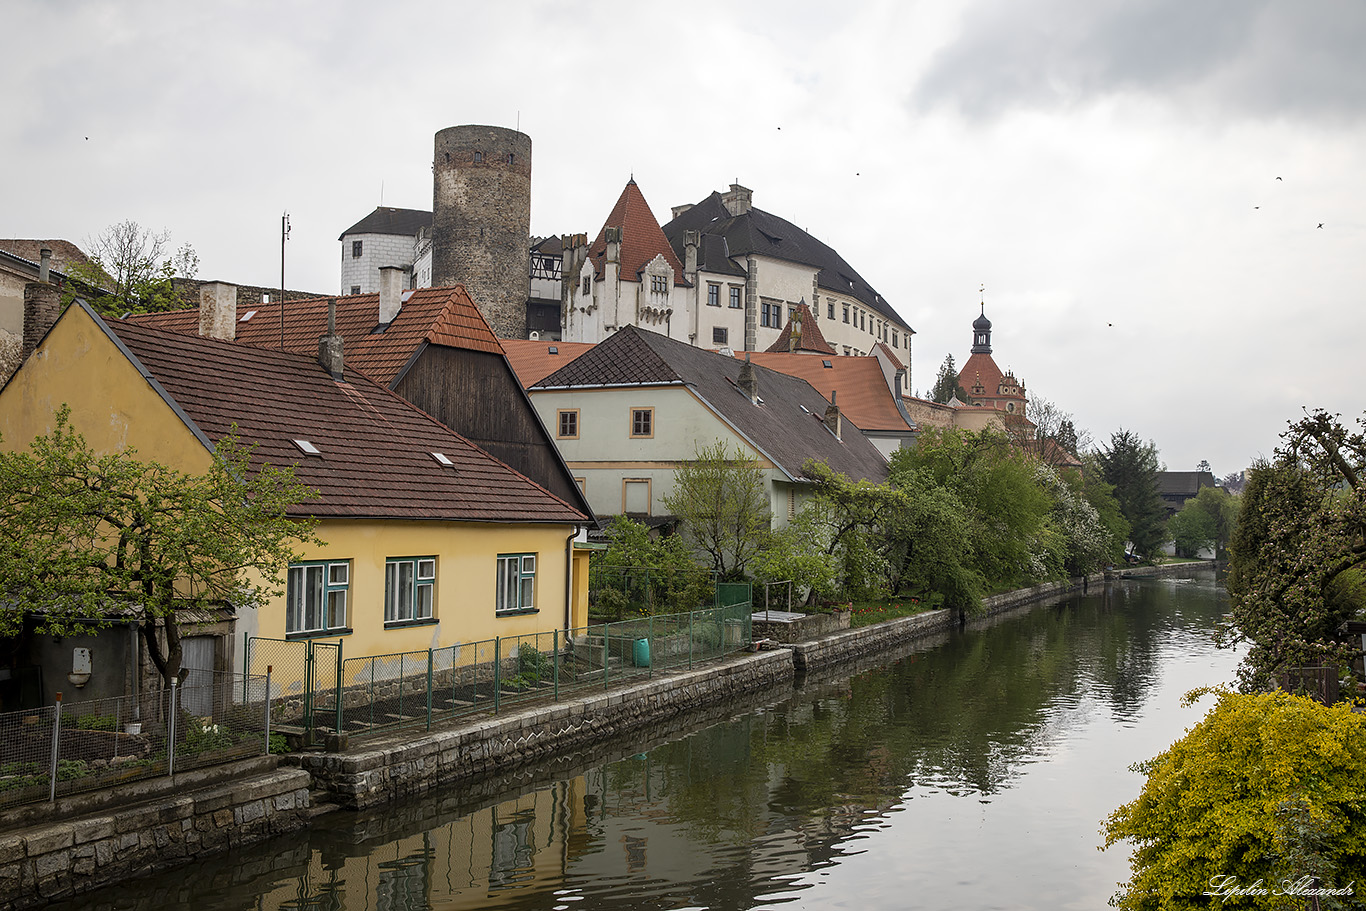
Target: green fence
(618, 592)
(361, 696)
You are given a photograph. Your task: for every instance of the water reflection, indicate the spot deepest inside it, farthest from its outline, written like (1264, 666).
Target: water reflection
(972, 772)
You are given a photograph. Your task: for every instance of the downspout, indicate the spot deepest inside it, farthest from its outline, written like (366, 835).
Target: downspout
(569, 579)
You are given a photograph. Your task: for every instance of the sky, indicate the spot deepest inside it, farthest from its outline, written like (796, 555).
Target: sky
(1162, 204)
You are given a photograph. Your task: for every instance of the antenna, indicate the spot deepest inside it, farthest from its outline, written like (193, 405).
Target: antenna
(284, 236)
(381, 194)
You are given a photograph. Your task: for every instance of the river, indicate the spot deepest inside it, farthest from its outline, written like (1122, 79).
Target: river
(972, 772)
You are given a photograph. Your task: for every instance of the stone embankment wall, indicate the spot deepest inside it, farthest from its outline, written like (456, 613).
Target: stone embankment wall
(405, 765)
(55, 860)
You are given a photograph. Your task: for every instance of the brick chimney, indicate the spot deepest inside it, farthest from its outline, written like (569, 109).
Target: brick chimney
(739, 200)
(390, 294)
(747, 383)
(832, 417)
(218, 311)
(42, 306)
(330, 345)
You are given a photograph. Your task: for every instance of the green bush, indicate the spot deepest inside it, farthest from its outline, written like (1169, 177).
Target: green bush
(94, 722)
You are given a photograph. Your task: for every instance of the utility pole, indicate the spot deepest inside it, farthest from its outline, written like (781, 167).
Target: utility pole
(284, 236)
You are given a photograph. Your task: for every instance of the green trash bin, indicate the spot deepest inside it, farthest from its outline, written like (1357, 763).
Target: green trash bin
(640, 656)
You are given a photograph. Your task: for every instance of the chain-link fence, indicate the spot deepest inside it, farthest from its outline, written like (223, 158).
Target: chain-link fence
(411, 688)
(70, 747)
(618, 592)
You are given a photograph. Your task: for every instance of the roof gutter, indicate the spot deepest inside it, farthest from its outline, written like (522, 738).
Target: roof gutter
(605, 386)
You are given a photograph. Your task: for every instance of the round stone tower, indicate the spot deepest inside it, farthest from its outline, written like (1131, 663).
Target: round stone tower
(481, 221)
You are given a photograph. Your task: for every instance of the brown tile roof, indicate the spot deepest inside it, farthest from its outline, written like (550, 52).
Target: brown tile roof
(376, 449)
(534, 361)
(863, 394)
(891, 355)
(441, 316)
(981, 370)
(641, 238)
(786, 426)
(810, 340)
(65, 254)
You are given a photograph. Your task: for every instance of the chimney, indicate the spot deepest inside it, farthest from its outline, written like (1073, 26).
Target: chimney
(218, 310)
(747, 383)
(390, 294)
(739, 200)
(794, 338)
(679, 210)
(691, 241)
(44, 264)
(832, 417)
(42, 306)
(330, 345)
(613, 238)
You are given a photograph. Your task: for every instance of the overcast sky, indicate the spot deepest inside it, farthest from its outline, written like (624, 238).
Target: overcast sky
(1107, 169)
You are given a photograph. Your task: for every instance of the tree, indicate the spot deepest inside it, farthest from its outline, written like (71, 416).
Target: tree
(946, 386)
(648, 572)
(140, 267)
(1297, 559)
(96, 539)
(1132, 466)
(1267, 787)
(1053, 424)
(1205, 521)
(721, 498)
(11, 349)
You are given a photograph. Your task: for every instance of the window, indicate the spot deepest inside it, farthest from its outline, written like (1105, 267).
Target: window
(829, 309)
(735, 302)
(846, 313)
(409, 590)
(355, 289)
(659, 284)
(895, 340)
(478, 157)
(642, 422)
(770, 315)
(356, 247)
(587, 285)
(315, 598)
(635, 496)
(713, 294)
(569, 424)
(516, 583)
(719, 334)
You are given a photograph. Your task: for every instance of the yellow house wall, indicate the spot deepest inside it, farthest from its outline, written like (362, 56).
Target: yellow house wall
(466, 567)
(112, 405)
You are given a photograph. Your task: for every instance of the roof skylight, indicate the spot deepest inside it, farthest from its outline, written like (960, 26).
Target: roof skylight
(249, 314)
(307, 448)
(443, 459)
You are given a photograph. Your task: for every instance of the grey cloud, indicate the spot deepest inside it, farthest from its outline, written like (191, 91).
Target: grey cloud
(1282, 58)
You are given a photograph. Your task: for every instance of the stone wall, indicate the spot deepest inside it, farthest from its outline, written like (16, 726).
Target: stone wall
(841, 647)
(53, 860)
(404, 765)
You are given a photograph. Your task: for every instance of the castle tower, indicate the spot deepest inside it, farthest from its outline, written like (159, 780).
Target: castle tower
(981, 333)
(481, 221)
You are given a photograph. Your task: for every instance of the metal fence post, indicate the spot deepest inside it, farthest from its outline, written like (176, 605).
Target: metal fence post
(555, 640)
(340, 664)
(429, 689)
(170, 729)
(691, 614)
(269, 668)
(308, 693)
(497, 671)
(56, 743)
(650, 644)
(606, 656)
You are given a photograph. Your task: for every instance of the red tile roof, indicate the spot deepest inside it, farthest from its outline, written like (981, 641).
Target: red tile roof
(980, 370)
(441, 316)
(811, 340)
(863, 394)
(533, 361)
(376, 449)
(891, 356)
(641, 238)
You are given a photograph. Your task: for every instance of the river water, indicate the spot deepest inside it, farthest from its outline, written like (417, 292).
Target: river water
(973, 772)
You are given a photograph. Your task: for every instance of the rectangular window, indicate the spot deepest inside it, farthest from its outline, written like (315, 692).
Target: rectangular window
(409, 590)
(659, 284)
(829, 309)
(355, 289)
(587, 285)
(356, 247)
(895, 339)
(569, 424)
(516, 583)
(713, 294)
(315, 598)
(846, 313)
(719, 334)
(642, 422)
(735, 302)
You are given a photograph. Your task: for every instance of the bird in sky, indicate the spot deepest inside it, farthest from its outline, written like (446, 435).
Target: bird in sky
(1320, 224)
(1280, 179)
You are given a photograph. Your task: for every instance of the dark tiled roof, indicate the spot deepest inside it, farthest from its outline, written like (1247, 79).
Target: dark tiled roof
(811, 340)
(764, 234)
(388, 220)
(641, 238)
(1183, 483)
(441, 316)
(376, 449)
(787, 426)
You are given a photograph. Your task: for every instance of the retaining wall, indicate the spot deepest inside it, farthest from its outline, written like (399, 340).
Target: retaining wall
(55, 860)
(403, 765)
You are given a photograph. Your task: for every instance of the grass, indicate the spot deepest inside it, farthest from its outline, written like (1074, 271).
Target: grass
(867, 613)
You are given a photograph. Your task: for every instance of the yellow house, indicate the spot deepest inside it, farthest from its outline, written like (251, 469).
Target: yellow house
(428, 540)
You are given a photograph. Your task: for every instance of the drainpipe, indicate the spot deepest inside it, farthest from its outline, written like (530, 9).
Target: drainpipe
(569, 579)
